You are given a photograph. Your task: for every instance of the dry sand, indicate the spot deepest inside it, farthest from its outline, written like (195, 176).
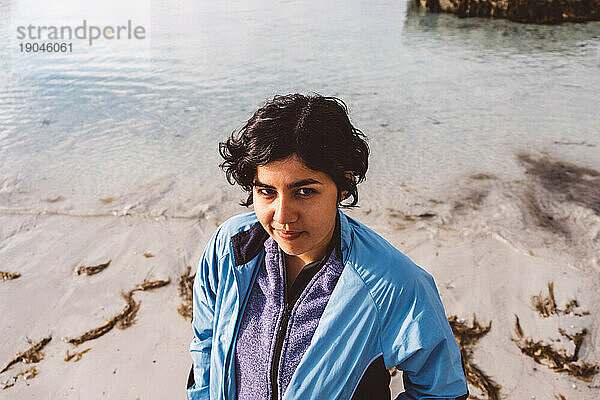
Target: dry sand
(491, 245)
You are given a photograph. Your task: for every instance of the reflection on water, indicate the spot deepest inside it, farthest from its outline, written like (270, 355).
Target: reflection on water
(439, 96)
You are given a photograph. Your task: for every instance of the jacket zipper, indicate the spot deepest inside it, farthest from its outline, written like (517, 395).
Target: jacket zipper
(280, 337)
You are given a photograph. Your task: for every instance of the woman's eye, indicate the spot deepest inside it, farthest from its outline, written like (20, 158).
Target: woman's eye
(305, 192)
(266, 192)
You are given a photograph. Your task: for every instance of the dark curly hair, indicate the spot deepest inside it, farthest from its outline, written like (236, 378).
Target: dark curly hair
(315, 128)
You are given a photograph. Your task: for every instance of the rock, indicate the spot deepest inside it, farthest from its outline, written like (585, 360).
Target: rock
(525, 11)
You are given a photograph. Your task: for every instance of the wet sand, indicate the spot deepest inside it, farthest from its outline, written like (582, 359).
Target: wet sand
(491, 245)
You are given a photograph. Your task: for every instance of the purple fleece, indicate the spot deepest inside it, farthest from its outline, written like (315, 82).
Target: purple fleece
(262, 317)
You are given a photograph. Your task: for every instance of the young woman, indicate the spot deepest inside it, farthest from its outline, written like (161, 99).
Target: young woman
(296, 300)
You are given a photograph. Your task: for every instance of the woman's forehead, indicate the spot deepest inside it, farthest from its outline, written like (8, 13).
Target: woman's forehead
(289, 171)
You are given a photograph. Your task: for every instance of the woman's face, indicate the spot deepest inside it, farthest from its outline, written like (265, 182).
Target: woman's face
(297, 206)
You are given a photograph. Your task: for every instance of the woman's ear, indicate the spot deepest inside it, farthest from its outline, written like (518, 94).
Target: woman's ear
(350, 176)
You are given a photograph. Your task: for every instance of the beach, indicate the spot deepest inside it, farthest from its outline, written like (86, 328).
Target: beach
(488, 245)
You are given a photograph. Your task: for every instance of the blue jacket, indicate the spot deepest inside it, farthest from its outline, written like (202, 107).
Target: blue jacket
(382, 305)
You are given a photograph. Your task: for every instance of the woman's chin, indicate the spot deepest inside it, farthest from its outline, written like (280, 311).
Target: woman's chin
(290, 250)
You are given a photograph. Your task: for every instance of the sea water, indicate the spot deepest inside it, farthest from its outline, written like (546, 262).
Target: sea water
(125, 126)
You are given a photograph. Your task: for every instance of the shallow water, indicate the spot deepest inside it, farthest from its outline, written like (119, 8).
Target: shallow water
(137, 123)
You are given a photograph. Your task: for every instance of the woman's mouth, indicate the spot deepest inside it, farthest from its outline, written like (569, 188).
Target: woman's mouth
(288, 235)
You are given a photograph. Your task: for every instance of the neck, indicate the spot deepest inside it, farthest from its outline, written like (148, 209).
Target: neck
(295, 264)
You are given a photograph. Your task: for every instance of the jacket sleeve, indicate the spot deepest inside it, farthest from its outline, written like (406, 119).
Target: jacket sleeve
(204, 298)
(418, 340)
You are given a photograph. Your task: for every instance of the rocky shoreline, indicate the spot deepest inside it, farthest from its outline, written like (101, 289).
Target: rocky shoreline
(524, 11)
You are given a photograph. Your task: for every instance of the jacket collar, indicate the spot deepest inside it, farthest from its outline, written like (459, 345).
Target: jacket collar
(345, 236)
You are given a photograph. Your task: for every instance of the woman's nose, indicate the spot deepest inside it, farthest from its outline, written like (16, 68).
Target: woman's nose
(285, 211)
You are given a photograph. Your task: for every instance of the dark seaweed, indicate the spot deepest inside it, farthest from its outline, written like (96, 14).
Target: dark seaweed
(91, 269)
(185, 285)
(567, 181)
(33, 354)
(467, 337)
(556, 360)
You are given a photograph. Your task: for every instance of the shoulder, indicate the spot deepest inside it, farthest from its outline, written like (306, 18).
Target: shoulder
(242, 236)
(220, 247)
(236, 224)
(384, 269)
(219, 243)
(405, 295)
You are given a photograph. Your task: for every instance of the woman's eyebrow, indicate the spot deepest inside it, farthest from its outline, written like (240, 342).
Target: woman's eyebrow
(303, 182)
(259, 183)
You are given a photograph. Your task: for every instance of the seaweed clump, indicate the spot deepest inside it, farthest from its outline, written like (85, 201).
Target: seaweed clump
(569, 182)
(27, 374)
(7, 276)
(546, 306)
(149, 285)
(76, 356)
(543, 217)
(32, 355)
(185, 285)
(91, 269)
(467, 337)
(123, 319)
(556, 360)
